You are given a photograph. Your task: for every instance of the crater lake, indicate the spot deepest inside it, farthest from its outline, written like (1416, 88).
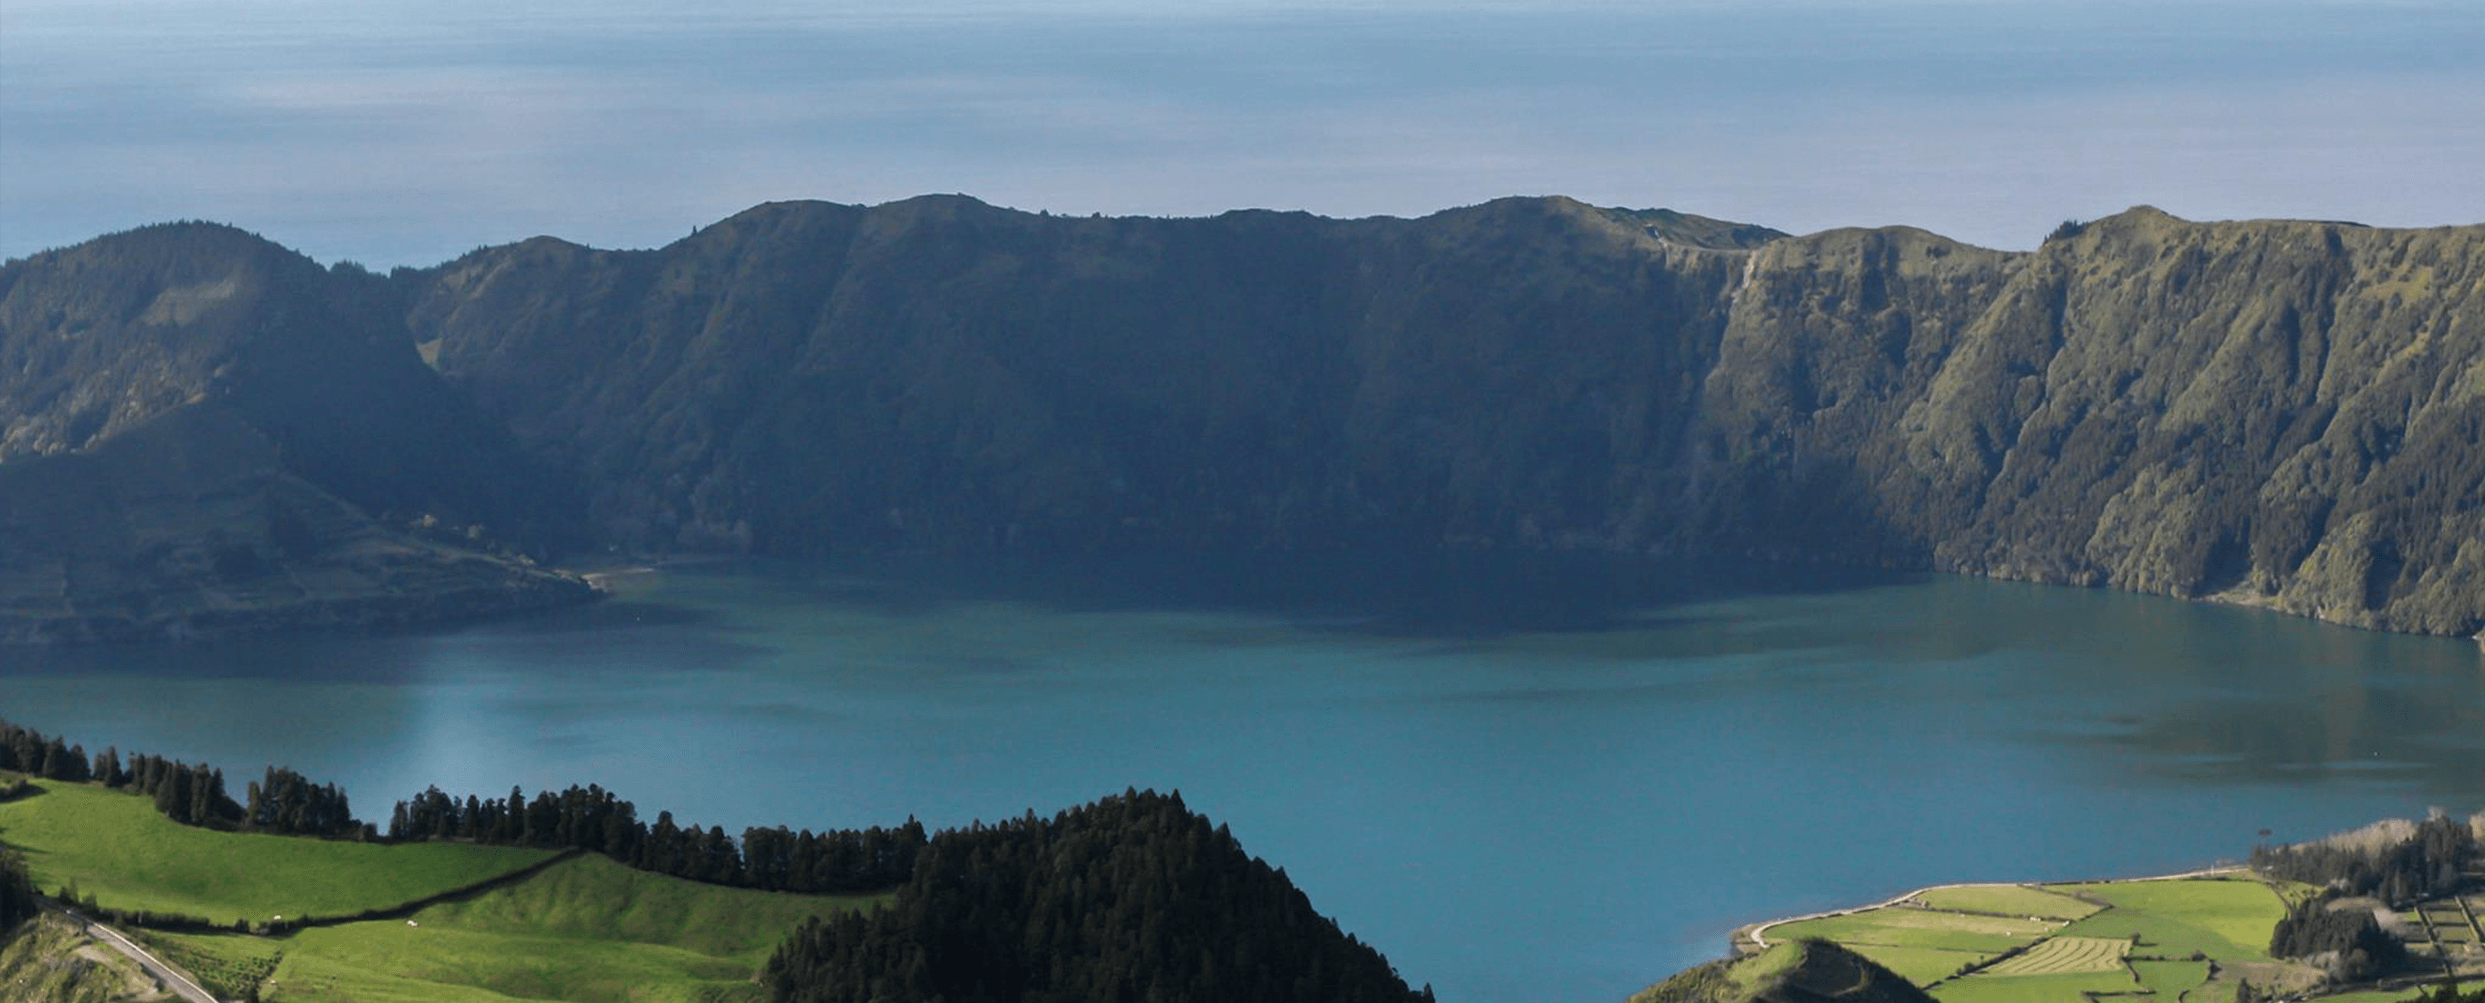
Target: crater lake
(1523, 778)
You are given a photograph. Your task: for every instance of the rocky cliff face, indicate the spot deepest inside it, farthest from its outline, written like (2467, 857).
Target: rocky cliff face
(2277, 413)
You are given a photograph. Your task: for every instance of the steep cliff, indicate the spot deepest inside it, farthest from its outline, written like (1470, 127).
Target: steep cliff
(2288, 414)
(2277, 413)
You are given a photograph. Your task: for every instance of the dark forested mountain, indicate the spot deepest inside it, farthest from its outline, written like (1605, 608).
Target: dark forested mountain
(2277, 413)
(202, 431)
(1130, 898)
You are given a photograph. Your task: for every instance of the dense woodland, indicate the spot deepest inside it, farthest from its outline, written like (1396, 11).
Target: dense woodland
(1130, 899)
(2347, 934)
(592, 818)
(2399, 869)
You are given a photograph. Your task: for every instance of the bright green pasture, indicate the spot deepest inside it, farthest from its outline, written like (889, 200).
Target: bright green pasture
(585, 930)
(2226, 920)
(115, 846)
(1920, 965)
(2032, 988)
(2376, 996)
(2008, 900)
(2171, 978)
(384, 961)
(1907, 927)
(2066, 955)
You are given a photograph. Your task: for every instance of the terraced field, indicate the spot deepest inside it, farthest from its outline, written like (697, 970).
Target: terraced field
(2066, 955)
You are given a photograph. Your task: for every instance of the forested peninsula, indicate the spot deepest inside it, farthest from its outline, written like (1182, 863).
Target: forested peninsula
(203, 432)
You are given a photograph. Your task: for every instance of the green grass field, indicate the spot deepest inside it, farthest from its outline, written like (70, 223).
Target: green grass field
(2008, 900)
(2377, 996)
(2226, 920)
(114, 846)
(586, 930)
(2171, 979)
(1909, 927)
(2033, 988)
(1920, 965)
(2065, 956)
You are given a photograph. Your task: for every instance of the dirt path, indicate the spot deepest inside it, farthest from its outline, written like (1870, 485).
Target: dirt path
(1761, 942)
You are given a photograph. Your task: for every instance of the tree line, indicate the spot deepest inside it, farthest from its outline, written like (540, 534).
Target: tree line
(589, 818)
(2421, 863)
(282, 801)
(1129, 899)
(592, 818)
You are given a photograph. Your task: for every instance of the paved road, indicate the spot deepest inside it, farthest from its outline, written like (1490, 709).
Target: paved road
(164, 973)
(1763, 942)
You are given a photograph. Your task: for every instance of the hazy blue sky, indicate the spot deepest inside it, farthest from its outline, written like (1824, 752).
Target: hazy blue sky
(405, 133)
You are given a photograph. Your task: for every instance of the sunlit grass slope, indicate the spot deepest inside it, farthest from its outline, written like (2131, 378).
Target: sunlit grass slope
(116, 847)
(584, 930)
(2227, 920)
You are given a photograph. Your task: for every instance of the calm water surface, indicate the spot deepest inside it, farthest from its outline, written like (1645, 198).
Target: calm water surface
(1524, 779)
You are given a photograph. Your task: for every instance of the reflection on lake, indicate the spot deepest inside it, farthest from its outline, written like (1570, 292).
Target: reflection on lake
(1523, 778)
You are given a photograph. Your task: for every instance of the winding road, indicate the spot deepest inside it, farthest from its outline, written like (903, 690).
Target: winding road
(171, 977)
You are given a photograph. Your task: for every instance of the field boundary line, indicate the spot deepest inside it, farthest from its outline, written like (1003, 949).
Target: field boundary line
(403, 910)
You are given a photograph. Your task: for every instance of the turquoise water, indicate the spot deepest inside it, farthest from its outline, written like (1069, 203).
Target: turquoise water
(1524, 779)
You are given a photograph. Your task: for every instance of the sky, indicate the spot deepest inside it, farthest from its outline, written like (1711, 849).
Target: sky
(394, 133)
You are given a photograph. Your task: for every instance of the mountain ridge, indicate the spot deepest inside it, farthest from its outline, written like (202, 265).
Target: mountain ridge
(2276, 413)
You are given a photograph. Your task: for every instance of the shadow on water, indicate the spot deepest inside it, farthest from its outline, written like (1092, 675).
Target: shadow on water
(2220, 695)
(1450, 596)
(581, 638)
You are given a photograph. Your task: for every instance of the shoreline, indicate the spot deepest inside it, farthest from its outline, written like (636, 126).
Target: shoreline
(1750, 938)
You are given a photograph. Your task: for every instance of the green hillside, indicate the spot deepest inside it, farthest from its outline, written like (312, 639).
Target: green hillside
(115, 847)
(585, 930)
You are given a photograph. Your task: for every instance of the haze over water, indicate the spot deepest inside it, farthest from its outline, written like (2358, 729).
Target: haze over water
(1524, 779)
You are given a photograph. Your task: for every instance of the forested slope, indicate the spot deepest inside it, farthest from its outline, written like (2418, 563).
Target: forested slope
(2288, 414)
(2280, 413)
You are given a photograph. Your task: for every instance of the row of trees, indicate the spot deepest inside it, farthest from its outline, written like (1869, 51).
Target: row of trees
(1131, 898)
(588, 818)
(592, 818)
(26, 750)
(2397, 862)
(282, 801)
